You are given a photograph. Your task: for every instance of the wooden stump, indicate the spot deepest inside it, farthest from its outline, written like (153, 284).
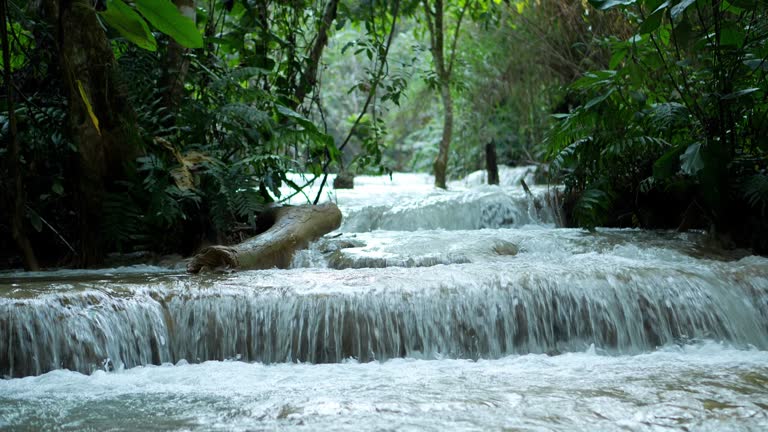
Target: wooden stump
(293, 229)
(490, 163)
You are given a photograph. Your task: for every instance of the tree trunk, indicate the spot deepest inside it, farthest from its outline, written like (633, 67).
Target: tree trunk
(309, 75)
(441, 162)
(107, 150)
(177, 62)
(15, 195)
(490, 163)
(435, 24)
(293, 229)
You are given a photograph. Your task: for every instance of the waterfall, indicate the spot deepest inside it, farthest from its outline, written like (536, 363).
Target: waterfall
(468, 311)
(478, 272)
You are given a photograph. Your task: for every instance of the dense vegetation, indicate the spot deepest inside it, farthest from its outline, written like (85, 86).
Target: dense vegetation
(159, 125)
(672, 132)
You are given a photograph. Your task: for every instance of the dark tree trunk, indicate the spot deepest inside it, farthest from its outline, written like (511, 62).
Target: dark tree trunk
(490, 163)
(309, 75)
(436, 29)
(441, 162)
(177, 63)
(106, 152)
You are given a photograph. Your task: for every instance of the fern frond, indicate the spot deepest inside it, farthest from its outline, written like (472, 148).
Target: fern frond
(666, 116)
(123, 220)
(569, 152)
(622, 146)
(755, 190)
(592, 206)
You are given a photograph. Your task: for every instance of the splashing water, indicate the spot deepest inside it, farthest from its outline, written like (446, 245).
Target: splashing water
(448, 310)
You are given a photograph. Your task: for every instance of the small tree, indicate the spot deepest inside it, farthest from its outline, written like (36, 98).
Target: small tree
(435, 14)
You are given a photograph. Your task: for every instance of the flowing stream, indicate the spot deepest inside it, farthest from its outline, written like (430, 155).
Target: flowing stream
(436, 310)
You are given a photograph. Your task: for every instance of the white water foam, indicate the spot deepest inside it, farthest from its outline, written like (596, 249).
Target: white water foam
(704, 387)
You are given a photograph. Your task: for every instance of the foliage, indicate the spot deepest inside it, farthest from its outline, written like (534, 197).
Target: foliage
(641, 107)
(513, 60)
(681, 103)
(212, 157)
(163, 15)
(222, 155)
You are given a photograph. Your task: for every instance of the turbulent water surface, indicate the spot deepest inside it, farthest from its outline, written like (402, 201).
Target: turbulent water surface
(429, 310)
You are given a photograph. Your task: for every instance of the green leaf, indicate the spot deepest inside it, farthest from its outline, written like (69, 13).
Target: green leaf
(298, 118)
(739, 93)
(730, 7)
(668, 164)
(594, 78)
(129, 24)
(654, 19)
(691, 161)
(652, 4)
(58, 188)
(680, 8)
(598, 99)
(664, 35)
(755, 64)
(310, 128)
(683, 32)
(617, 57)
(744, 4)
(608, 4)
(731, 35)
(166, 17)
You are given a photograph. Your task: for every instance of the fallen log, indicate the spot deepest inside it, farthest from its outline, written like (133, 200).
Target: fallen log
(293, 228)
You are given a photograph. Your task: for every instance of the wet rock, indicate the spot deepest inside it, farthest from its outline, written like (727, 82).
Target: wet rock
(501, 247)
(344, 180)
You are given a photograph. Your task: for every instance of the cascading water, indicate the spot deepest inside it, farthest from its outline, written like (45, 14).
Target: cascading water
(469, 292)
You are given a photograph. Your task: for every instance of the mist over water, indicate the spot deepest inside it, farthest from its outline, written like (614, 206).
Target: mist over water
(463, 309)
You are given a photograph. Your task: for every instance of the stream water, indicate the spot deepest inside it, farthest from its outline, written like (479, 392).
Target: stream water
(463, 309)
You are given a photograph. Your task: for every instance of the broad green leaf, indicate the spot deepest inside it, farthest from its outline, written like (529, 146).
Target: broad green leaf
(309, 127)
(683, 32)
(617, 57)
(732, 36)
(58, 188)
(129, 24)
(665, 35)
(298, 118)
(668, 164)
(593, 78)
(730, 7)
(757, 64)
(739, 93)
(166, 17)
(652, 4)
(598, 99)
(691, 161)
(744, 4)
(654, 19)
(680, 8)
(608, 4)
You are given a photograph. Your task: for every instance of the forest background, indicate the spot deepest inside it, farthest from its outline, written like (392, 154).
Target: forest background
(159, 126)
